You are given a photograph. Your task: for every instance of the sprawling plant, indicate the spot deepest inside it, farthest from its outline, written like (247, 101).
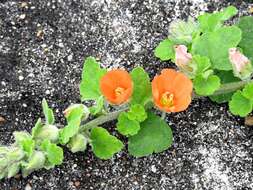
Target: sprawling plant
(213, 60)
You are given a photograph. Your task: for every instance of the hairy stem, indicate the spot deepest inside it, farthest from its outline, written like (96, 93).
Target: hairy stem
(102, 119)
(225, 88)
(230, 87)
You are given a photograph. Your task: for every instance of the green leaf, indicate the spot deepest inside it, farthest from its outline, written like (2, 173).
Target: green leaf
(103, 144)
(202, 63)
(13, 169)
(74, 115)
(78, 143)
(154, 136)
(97, 109)
(69, 131)
(183, 32)
(248, 91)
(165, 50)
(25, 141)
(53, 152)
(215, 45)
(212, 21)
(35, 162)
(246, 43)
(226, 77)
(50, 132)
(206, 86)
(240, 105)
(142, 93)
(137, 112)
(49, 114)
(127, 127)
(91, 75)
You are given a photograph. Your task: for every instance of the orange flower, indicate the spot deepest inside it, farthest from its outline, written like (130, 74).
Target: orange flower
(116, 86)
(172, 91)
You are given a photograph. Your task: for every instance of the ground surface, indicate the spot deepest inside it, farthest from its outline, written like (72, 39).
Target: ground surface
(42, 47)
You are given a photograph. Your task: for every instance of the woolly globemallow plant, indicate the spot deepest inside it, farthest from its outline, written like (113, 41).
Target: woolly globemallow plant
(172, 91)
(116, 86)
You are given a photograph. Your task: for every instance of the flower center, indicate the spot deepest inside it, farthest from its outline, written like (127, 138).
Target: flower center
(167, 99)
(119, 91)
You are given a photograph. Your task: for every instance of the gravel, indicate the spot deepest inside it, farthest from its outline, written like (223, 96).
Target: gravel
(42, 48)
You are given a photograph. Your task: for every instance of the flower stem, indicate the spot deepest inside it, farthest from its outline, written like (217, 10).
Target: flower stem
(102, 119)
(232, 86)
(163, 115)
(225, 88)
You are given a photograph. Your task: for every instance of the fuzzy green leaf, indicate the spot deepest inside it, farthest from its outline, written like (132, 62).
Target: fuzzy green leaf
(240, 105)
(25, 141)
(215, 45)
(53, 152)
(137, 112)
(246, 43)
(154, 136)
(248, 91)
(74, 115)
(35, 162)
(103, 144)
(142, 93)
(49, 114)
(183, 32)
(126, 126)
(91, 76)
(213, 21)
(165, 50)
(206, 86)
(13, 169)
(78, 143)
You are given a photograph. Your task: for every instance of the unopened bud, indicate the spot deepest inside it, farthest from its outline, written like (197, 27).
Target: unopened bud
(241, 64)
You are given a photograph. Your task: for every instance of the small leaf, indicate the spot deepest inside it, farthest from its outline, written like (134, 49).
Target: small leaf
(50, 132)
(35, 162)
(155, 136)
(25, 141)
(53, 152)
(183, 32)
(78, 143)
(13, 169)
(137, 112)
(212, 21)
(74, 116)
(97, 109)
(240, 105)
(142, 93)
(215, 46)
(103, 144)
(91, 76)
(127, 127)
(49, 114)
(207, 86)
(76, 111)
(165, 50)
(248, 91)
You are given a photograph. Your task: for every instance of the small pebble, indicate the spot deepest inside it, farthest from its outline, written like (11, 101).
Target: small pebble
(2, 120)
(28, 187)
(22, 17)
(77, 183)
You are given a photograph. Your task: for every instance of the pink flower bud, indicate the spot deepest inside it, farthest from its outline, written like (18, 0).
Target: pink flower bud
(183, 58)
(241, 64)
(238, 60)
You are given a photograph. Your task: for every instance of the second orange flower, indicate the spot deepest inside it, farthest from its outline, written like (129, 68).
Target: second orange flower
(172, 91)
